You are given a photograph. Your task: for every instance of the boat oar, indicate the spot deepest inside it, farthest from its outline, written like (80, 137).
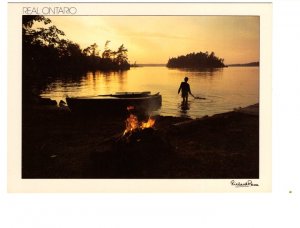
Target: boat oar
(105, 95)
(109, 95)
(200, 98)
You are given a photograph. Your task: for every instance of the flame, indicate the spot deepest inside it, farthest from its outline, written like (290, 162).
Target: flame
(149, 123)
(132, 123)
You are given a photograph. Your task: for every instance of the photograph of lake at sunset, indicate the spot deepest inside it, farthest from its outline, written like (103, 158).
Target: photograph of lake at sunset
(141, 97)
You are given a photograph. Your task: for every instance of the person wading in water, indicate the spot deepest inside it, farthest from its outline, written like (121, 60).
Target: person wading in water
(185, 91)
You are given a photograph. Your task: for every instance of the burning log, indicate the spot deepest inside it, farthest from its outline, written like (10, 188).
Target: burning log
(140, 152)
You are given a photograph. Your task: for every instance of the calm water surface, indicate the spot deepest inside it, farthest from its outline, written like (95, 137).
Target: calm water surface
(224, 89)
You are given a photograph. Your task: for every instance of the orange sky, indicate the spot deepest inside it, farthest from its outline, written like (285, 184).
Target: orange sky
(153, 39)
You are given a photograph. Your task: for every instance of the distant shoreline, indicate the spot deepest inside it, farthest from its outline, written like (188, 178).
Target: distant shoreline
(252, 64)
(148, 64)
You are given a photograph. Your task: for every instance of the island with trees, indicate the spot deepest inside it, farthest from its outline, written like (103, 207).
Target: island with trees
(196, 60)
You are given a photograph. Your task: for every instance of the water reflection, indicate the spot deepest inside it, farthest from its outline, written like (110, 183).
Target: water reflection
(202, 71)
(184, 108)
(224, 89)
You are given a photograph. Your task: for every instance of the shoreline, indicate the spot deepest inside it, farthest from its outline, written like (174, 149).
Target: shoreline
(53, 105)
(58, 144)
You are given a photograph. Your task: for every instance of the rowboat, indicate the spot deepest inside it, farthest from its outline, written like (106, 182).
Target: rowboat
(117, 103)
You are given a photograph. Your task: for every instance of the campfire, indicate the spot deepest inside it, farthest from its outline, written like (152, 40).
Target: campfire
(133, 125)
(141, 151)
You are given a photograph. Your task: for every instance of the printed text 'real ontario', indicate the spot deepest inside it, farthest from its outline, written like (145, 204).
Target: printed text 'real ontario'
(49, 10)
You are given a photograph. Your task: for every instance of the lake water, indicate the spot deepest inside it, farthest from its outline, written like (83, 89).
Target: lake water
(224, 89)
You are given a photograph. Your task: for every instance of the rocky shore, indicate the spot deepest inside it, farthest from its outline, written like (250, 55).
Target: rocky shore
(58, 144)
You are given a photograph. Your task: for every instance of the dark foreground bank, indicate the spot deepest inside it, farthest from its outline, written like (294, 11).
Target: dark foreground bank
(58, 144)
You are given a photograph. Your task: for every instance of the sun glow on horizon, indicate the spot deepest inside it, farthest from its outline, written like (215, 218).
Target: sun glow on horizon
(155, 39)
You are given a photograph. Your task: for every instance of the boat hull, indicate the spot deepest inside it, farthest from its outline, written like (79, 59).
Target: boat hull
(114, 105)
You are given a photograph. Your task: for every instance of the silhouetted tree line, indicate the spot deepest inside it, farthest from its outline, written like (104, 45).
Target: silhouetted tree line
(45, 51)
(196, 60)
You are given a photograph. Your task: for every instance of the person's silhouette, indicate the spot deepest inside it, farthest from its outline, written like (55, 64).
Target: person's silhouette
(185, 91)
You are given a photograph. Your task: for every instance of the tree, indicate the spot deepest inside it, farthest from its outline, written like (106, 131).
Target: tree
(28, 20)
(40, 36)
(121, 55)
(91, 50)
(107, 53)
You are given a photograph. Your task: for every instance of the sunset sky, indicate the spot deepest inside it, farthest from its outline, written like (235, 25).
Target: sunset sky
(153, 39)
